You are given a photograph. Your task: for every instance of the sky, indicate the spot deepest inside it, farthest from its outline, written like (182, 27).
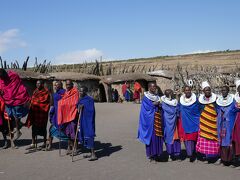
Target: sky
(75, 31)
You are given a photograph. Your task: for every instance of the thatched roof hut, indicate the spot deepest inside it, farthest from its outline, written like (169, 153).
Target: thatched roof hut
(116, 82)
(30, 75)
(127, 77)
(30, 78)
(73, 76)
(90, 81)
(162, 73)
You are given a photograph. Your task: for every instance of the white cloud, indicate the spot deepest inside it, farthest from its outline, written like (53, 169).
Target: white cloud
(10, 39)
(200, 51)
(79, 56)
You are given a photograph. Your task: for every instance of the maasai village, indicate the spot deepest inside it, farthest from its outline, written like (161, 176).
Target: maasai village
(105, 90)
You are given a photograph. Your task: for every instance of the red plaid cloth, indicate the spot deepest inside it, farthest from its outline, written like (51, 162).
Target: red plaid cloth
(207, 147)
(40, 104)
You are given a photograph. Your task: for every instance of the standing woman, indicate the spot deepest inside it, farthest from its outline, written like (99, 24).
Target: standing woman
(226, 117)
(190, 114)
(236, 128)
(207, 143)
(150, 131)
(170, 117)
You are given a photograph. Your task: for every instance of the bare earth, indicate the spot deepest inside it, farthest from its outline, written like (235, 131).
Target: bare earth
(120, 154)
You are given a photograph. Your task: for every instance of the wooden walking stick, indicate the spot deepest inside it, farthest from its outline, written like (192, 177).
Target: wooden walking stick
(59, 143)
(78, 126)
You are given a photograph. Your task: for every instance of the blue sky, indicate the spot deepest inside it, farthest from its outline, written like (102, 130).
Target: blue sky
(73, 31)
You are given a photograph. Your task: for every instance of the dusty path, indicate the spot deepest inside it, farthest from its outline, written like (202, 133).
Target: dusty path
(121, 156)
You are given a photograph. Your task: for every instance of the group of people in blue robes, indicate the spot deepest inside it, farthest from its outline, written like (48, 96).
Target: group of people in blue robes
(205, 124)
(86, 110)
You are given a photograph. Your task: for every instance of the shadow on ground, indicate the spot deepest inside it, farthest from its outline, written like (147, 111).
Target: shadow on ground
(101, 149)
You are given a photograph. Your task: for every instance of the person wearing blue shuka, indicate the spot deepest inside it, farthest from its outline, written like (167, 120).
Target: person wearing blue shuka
(86, 133)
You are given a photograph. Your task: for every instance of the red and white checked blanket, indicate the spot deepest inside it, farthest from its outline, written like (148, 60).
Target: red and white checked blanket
(207, 147)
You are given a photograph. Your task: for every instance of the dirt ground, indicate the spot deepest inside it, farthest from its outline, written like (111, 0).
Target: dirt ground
(121, 156)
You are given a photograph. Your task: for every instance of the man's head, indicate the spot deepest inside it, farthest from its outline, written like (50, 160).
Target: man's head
(168, 93)
(40, 84)
(152, 87)
(83, 91)
(187, 91)
(225, 91)
(58, 85)
(69, 85)
(3, 73)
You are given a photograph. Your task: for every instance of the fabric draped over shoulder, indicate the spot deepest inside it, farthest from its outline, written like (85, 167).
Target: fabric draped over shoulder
(137, 87)
(67, 106)
(54, 110)
(40, 105)
(87, 121)
(146, 121)
(236, 134)
(225, 122)
(190, 117)
(170, 121)
(2, 109)
(15, 93)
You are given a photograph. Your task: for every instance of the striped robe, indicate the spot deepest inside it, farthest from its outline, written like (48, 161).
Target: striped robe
(208, 138)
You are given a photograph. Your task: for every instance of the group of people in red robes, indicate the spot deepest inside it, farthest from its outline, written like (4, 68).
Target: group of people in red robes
(72, 113)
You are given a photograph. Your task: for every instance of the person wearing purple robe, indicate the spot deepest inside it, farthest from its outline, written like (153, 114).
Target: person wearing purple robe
(55, 129)
(170, 117)
(150, 130)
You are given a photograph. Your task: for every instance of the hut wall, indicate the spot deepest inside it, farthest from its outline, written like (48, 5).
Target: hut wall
(164, 83)
(92, 85)
(49, 85)
(118, 86)
(93, 88)
(30, 85)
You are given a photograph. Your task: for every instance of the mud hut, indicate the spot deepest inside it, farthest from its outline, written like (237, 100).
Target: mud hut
(116, 82)
(30, 78)
(164, 78)
(79, 79)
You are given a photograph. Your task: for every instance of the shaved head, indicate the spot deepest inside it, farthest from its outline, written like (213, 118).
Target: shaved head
(168, 92)
(83, 91)
(152, 87)
(69, 84)
(58, 85)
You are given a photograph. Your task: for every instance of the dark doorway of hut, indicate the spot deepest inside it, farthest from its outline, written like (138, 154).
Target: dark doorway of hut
(102, 94)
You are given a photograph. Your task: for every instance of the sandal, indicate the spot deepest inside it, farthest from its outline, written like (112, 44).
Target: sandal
(93, 158)
(32, 146)
(87, 155)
